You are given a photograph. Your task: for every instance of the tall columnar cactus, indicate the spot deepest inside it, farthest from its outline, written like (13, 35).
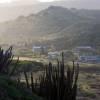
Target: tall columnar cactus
(57, 83)
(26, 78)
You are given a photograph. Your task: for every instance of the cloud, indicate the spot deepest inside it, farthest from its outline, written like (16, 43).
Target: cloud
(22, 2)
(6, 1)
(34, 0)
(46, 0)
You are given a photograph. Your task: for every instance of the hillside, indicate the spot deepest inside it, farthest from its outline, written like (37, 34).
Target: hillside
(15, 9)
(9, 90)
(57, 25)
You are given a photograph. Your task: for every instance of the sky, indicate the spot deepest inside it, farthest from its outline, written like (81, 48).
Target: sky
(11, 9)
(28, 1)
(33, 1)
(23, 2)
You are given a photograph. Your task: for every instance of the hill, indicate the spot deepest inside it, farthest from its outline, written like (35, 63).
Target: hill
(55, 25)
(15, 9)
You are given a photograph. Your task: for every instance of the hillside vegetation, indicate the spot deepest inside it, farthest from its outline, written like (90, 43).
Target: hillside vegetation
(52, 84)
(55, 25)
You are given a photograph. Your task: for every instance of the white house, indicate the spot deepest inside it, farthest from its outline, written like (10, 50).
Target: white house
(77, 49)
(39, 49)
(54, 55)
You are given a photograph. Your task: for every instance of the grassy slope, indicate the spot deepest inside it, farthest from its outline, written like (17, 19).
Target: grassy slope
(10, 91)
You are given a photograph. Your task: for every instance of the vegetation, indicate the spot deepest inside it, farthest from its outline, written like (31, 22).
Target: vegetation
(9, 89)
(56, 83)
(6, 58)
(55, 25)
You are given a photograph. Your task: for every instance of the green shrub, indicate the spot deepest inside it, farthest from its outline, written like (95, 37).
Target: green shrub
(6, 58)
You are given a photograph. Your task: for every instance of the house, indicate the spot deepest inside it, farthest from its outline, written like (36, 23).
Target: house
(86, 54)
(84, 51)
(90, 58)
(84, 47)
(39, 49)
(68, 55)
(79, 48)
(53, 55)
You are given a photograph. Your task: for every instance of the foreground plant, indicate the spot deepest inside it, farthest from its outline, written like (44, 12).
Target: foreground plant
(56, 83)
(6, 58)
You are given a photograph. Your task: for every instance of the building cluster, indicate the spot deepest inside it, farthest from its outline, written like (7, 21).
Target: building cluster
(83, 53)
(86, 54)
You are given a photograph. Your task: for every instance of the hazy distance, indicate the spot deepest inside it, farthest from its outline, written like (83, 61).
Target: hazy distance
(10, 9)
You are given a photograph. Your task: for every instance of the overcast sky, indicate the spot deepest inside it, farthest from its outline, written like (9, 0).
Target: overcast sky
(24, 1)
(28, 1)
(10, 9)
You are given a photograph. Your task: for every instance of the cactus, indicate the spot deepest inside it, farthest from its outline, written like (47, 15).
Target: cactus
(32, 82)
(56, 83)
(14, 68)
(26, 78)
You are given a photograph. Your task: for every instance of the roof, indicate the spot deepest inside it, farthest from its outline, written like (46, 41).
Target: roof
(36, 47)
(96, 57)
(52, 53)
(84, 47)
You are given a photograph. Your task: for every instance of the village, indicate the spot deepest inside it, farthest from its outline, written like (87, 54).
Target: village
(80, 53)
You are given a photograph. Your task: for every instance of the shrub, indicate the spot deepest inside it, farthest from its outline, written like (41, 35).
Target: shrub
(6, 58)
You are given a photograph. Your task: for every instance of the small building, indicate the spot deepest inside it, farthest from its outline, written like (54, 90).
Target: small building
(86, 54)
(39, 50)
(91, 58)
(79, 48)
(84, 47)
(53, 55)
(85, 51)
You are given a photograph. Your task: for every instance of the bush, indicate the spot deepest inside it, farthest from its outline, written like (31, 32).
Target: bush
(10, 90)
(6, 58)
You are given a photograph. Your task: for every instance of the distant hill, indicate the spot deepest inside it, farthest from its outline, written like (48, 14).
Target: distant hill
(13, 10)
(55, 25)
